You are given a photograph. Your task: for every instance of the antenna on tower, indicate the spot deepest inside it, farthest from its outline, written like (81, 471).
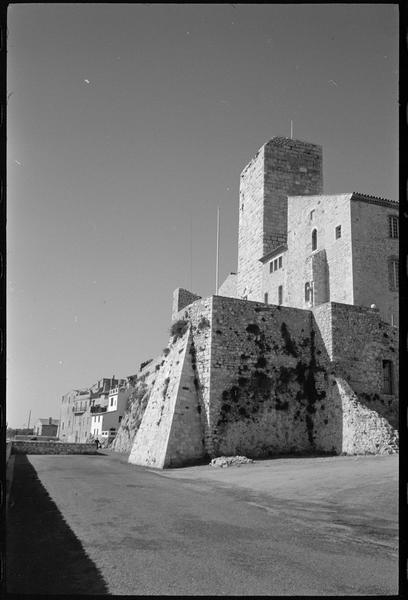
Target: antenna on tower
(291, 129)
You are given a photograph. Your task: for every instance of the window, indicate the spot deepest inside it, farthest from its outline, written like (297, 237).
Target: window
(311, 214)
(271, 267)
(111, 402)
(120, 418)
(387, 377)
(309, 293)
(314, 239)
(393, 227)
(275, 264)
(280, 294)
(393, 276)
(280, 262)
(338, 232)
(266, 297)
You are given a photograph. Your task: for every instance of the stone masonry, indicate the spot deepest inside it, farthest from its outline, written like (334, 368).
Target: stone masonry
(299, 351)
(281, 167)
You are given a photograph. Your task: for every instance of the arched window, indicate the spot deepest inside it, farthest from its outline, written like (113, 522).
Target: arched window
(309, 293)
(314, 239)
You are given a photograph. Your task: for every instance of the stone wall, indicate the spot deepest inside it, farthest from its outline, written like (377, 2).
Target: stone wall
(199, 315)
(182, 298)
(264, 380)
(372, 250)
(364, 430)
(292, 167)
(250, 230)
(361, 342)
(52, 448)
(170, 433)
(268, 381)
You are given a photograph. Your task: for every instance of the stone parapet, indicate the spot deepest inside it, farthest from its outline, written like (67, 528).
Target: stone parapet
(41, 447)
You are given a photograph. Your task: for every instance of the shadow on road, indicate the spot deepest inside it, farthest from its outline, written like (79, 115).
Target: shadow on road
(43, 554)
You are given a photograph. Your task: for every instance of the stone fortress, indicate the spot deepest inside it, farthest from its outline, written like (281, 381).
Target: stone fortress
(298, 350)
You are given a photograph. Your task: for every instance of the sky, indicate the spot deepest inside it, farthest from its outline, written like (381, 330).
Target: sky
(128, 125)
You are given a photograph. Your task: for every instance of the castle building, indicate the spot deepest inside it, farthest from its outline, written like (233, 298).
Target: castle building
(300, 248)
(298, 350)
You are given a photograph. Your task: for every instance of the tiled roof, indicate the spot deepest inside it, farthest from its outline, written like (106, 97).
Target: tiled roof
(374, 199)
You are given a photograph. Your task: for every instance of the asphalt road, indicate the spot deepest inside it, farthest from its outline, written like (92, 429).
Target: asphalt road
(97, 525)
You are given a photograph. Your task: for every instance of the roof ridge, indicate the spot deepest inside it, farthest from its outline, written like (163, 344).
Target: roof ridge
(371, 197)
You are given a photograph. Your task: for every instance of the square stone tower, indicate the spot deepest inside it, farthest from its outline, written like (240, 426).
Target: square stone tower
(282, 167)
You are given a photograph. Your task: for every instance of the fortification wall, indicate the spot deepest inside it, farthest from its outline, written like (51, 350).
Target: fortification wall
(182, 298)
(199, 314)
(268, 382)
(361, 342)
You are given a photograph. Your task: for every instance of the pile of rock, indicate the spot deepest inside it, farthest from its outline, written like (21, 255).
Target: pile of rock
(230, 461)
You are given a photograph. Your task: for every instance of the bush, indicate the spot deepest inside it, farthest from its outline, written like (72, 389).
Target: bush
(204, 323)
(178, 329)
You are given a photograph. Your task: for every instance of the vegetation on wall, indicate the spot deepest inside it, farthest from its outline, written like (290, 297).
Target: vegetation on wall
(178, 329)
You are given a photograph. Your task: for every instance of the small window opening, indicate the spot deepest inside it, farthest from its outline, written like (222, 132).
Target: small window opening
(280, 262)
(309, 293)
(280, 294)
(271, 267)
(275, 264)
(387, 377)
(266, 297)
(393, 224)
(314, 239)
(393, 267)
(338, 232)
(311, 214)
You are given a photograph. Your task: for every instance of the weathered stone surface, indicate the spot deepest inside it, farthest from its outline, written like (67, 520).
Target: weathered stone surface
(20, 447)
(170, 432)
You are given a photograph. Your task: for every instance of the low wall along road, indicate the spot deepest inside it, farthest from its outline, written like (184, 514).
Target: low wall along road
(43, 447)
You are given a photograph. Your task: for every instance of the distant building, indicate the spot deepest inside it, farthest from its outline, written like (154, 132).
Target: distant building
(46, 427)
(78, 407)
(106, 418)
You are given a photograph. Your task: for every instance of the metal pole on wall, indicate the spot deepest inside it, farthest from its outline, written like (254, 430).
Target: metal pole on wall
(29, 419)
(218, 250)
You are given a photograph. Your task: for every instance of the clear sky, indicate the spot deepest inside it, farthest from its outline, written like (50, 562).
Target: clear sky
(128, 125)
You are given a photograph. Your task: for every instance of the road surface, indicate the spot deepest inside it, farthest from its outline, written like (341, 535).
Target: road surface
(97, 525)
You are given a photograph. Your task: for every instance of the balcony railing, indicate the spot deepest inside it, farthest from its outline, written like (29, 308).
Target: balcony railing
(98, 409)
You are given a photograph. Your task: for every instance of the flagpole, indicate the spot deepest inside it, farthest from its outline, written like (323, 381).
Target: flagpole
(218, 250)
